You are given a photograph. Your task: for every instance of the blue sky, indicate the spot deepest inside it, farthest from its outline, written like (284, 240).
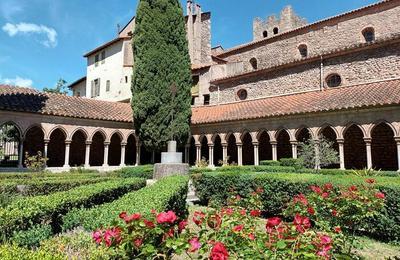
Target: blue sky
(44, 40)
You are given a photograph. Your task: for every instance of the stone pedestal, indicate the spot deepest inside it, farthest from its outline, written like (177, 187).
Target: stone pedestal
(171, 163)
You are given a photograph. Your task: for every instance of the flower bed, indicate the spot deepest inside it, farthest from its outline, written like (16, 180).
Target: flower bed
(280, 188)
(12, 252)
(22, 214)
(169, 193)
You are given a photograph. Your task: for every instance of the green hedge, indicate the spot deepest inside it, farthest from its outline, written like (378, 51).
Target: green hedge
(143, 171)
(33, 236)
(45, 186)
(13, 252)
(46, 174)
(270, 163)
(167, 194)
(23, 213)
(280, 188)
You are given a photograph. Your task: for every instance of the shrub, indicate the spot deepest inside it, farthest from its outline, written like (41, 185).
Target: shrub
(13, 252)
(215, 188)
(290, 162)
(35, 163)
(22, 214)
(166, 194)
(32, 236)
(326, 155)
(145, 171)
(270, 163)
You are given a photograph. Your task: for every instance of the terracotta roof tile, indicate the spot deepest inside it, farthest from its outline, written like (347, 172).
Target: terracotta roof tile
(352, 97)
(30, 100)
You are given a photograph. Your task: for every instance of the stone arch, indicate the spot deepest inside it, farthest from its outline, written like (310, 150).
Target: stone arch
(218, 152)
(205, 153)
(355, 154)
(99, 131)
(377, 123)
(232, 149)
(118, 132)
(284, 148)
(247, 149)
(130, 153)
(303, 134)
(264, 145)
(330, 134)
(383, 147)
(81, 129)
(114, 153)
(97, 148)
(34, 140)
(58, 127)
(56, 148)
(78, 147)
(10, 144)
(325, 126)
(344, 130)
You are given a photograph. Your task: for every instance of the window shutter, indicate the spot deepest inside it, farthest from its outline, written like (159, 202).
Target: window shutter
(98, 88)
(92, 89)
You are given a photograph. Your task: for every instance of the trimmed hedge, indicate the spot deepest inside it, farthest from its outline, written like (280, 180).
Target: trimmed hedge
(33, 236)
(270, 163)
(22, 214)
(143, 171)
(45, 186)
(167, 194)
(46, 174)
(13, 252)
(280, 188)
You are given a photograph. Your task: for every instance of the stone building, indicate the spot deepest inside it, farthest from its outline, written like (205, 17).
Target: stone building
(338, 78)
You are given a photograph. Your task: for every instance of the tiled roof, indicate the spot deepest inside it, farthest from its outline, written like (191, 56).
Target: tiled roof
(101, 47)
(296, 30)
(361, 96)
(30, 100)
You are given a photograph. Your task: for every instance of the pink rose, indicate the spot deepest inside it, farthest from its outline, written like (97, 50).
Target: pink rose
(166, 217)
(255, 213)
(138, 242)
(194, 244)
(149, 224)
(98, 236)
(133, 217)
(112, 236)
(379, 195)
(273, 222)
(219, 252)
(301, 223)
(316, 189)
(238, 228)
(182, 225)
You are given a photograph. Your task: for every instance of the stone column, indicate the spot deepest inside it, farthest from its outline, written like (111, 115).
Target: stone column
(67, 149)
(274, 145)
(397, 139)
(87, 154)
(368, 142)
(198, 153)
(187, 151)
(123, 146)
(137, 154)
(211, 155)
(294, 149)
(46, 148)
(317, 158)
(225, 153)
(240, 154)
(106, 148)
(256, 156)
(21, 154)
(341, 153)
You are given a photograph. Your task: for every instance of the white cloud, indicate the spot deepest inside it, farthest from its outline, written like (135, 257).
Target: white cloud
(18, 81)
(31, 28)
(9, 9)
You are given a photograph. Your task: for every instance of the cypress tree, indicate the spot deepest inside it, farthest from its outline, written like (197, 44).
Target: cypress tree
(161, 68)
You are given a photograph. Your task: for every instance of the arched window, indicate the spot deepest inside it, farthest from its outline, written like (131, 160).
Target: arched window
(276, 30)
(242, 94)
(369, 34)
(303, 50)
(254, 63)
(265, 34)
(333, 80)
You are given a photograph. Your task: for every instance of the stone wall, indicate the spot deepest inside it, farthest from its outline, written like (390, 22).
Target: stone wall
(356, 68)
(322, 37)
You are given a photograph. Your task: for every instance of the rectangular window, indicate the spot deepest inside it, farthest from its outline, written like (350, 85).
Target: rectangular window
(96, 88)
(195, 79)
(96, 60)
(126, 79)
(108, 83)
(78, 94)
(103, 57)
(193, 101)
(92, 89)
(206, 99)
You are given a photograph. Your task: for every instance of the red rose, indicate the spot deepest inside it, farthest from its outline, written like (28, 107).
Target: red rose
(112, 236)
(273, 222)
(379, 195)
(198, 217)
(334, 212)
(316, 189)
(242, 212)
(219, 252)
(138, 242)
(229, 211)
(194, 244)
(337, 229)
(353, 188)
(260, 190)
(133, 217)
(301, 198)
(123, 215)
(166, 217)
(325, 240)
(325, 195)
(370, 181)
(255, 213)
(238, 228)
(311, 210)
(238, 197)
(301, 223)
(182, 225)
(251, 236)
(149, 224)
(328, 186)
(97, 236)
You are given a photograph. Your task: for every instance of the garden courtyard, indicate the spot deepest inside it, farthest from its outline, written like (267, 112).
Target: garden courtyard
(273, 211)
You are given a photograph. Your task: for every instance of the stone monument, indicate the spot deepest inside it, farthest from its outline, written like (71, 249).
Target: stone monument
(171, 163)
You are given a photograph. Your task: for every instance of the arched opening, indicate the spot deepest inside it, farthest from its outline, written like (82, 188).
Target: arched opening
(218, 153)
(303, 50)
(265, 34)
(97, 150)
(355, 155)
(283, 145)
(130, 152)
(369, 34)
(248, 150)
(276, 30)
(34, 141)
(205, 153)
(265, 147)
(384, 148)
(232, 150)
(330, 135)
(56, 149)
(303, 135)
(114, 153)
(254, 63)
(77, 149)
(10, 139)
(192, 151)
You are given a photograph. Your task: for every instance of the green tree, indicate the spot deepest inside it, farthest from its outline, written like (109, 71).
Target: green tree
(162, 79)
(60, 88)
(318, 153)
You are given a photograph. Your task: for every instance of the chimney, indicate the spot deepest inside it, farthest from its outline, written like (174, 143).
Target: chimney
(189, 7)
(118, 29)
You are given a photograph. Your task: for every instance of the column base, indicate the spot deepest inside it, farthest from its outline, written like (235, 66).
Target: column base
(105, 165)
(122, 165)
(86, 166)
(66, 166)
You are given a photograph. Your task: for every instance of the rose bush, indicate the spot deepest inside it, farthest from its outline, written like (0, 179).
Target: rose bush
(311, 229)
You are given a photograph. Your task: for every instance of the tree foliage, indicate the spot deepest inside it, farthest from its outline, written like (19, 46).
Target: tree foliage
(325, 155)
(60, 88)
(162, 63)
